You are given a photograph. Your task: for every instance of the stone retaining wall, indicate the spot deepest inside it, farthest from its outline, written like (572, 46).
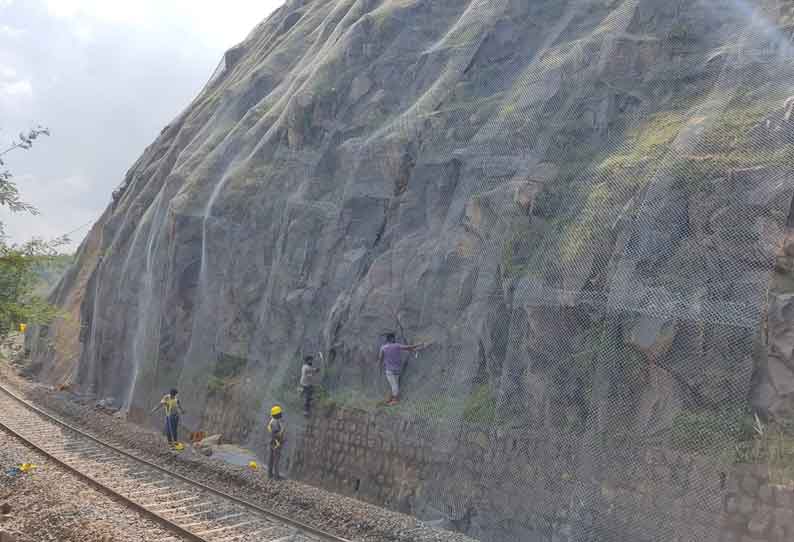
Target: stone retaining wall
(527, 487)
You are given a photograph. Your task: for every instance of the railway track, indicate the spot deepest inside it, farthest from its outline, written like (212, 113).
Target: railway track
(191, 510)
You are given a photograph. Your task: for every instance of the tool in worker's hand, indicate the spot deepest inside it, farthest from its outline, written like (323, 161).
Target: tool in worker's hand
(425, 342)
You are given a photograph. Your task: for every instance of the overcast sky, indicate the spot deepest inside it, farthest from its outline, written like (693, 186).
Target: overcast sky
(105, 76)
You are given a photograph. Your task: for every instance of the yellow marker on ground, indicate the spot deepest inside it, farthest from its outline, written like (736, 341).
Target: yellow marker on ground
(253, 465)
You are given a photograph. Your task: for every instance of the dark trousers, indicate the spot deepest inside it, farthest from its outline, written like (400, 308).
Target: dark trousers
(272, 464)
(308, 395)
(172, 427)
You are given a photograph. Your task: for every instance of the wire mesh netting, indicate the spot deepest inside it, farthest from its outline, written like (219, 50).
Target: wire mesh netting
(578, 207)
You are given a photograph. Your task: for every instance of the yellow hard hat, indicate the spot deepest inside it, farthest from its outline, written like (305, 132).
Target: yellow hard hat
(25, 467)
(22, 328)
(275, 410)
(178, 446)
(253, 465)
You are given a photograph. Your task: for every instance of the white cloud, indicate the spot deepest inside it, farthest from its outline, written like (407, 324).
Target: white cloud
(224, 23)
(83, 31)
(49, 226)
(10, 32)
(7, 73)
(228, 21)
(21, 88)
(59, 201)
(99, 9)
(105, 77)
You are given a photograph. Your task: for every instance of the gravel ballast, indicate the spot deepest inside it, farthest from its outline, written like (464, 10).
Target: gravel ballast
(52, 504)
(336, 514)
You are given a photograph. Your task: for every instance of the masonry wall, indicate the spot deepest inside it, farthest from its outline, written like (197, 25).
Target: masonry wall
(522, 487)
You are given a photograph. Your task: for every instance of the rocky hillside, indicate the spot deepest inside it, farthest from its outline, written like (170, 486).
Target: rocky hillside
(580, 203)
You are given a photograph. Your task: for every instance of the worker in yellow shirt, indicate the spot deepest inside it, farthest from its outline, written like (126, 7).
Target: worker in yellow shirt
(173, 408)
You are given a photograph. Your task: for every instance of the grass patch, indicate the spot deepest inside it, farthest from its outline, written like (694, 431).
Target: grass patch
(469, 104)
(480, 406)
(707, 431)
(582, 232)
(229, 366)
(511, 269)
(226, 371)
(215, 384)
(646, 142)
(724, 144)
(618, 176)
(771, 445)
(347, 398)
(388, 10)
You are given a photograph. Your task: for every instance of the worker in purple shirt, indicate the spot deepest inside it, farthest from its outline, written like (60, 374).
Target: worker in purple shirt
(390, 356)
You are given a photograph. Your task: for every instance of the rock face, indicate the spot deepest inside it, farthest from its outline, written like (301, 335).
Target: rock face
(579, 203)
(773, 386)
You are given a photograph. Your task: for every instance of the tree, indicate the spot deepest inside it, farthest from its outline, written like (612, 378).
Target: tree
(9, 193)
(18, 279)
(18, 303)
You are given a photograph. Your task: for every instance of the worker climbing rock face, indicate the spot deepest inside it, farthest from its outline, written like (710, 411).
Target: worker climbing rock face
(173, 408)
(277, 430)
(308, 373)
(391, 357)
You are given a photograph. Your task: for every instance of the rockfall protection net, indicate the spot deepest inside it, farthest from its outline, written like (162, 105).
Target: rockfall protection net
(635, 301)
(580, 213)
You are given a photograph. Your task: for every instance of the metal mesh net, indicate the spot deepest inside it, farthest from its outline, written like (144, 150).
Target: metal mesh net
(584, 236)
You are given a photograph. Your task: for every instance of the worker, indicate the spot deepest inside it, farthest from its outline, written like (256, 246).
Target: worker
(278, 433)
(308, 373)
(173, 408)
(391, 357)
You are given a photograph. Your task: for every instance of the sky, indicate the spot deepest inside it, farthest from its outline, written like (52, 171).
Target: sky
(105, 76)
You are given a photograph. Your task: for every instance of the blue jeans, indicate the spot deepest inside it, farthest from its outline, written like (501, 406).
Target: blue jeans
(172, 427)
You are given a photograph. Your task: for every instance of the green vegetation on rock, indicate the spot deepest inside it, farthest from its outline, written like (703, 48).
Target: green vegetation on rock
(647, 142)
(227, 369)
(480, 405)
(704, 430)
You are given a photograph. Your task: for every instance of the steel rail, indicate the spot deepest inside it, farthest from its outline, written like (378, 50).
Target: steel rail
(180, 531)
(173, 527)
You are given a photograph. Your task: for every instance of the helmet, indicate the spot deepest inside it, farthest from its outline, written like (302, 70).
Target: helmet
(275, 410)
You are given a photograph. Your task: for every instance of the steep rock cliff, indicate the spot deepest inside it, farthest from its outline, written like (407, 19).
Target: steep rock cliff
(579, 203)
